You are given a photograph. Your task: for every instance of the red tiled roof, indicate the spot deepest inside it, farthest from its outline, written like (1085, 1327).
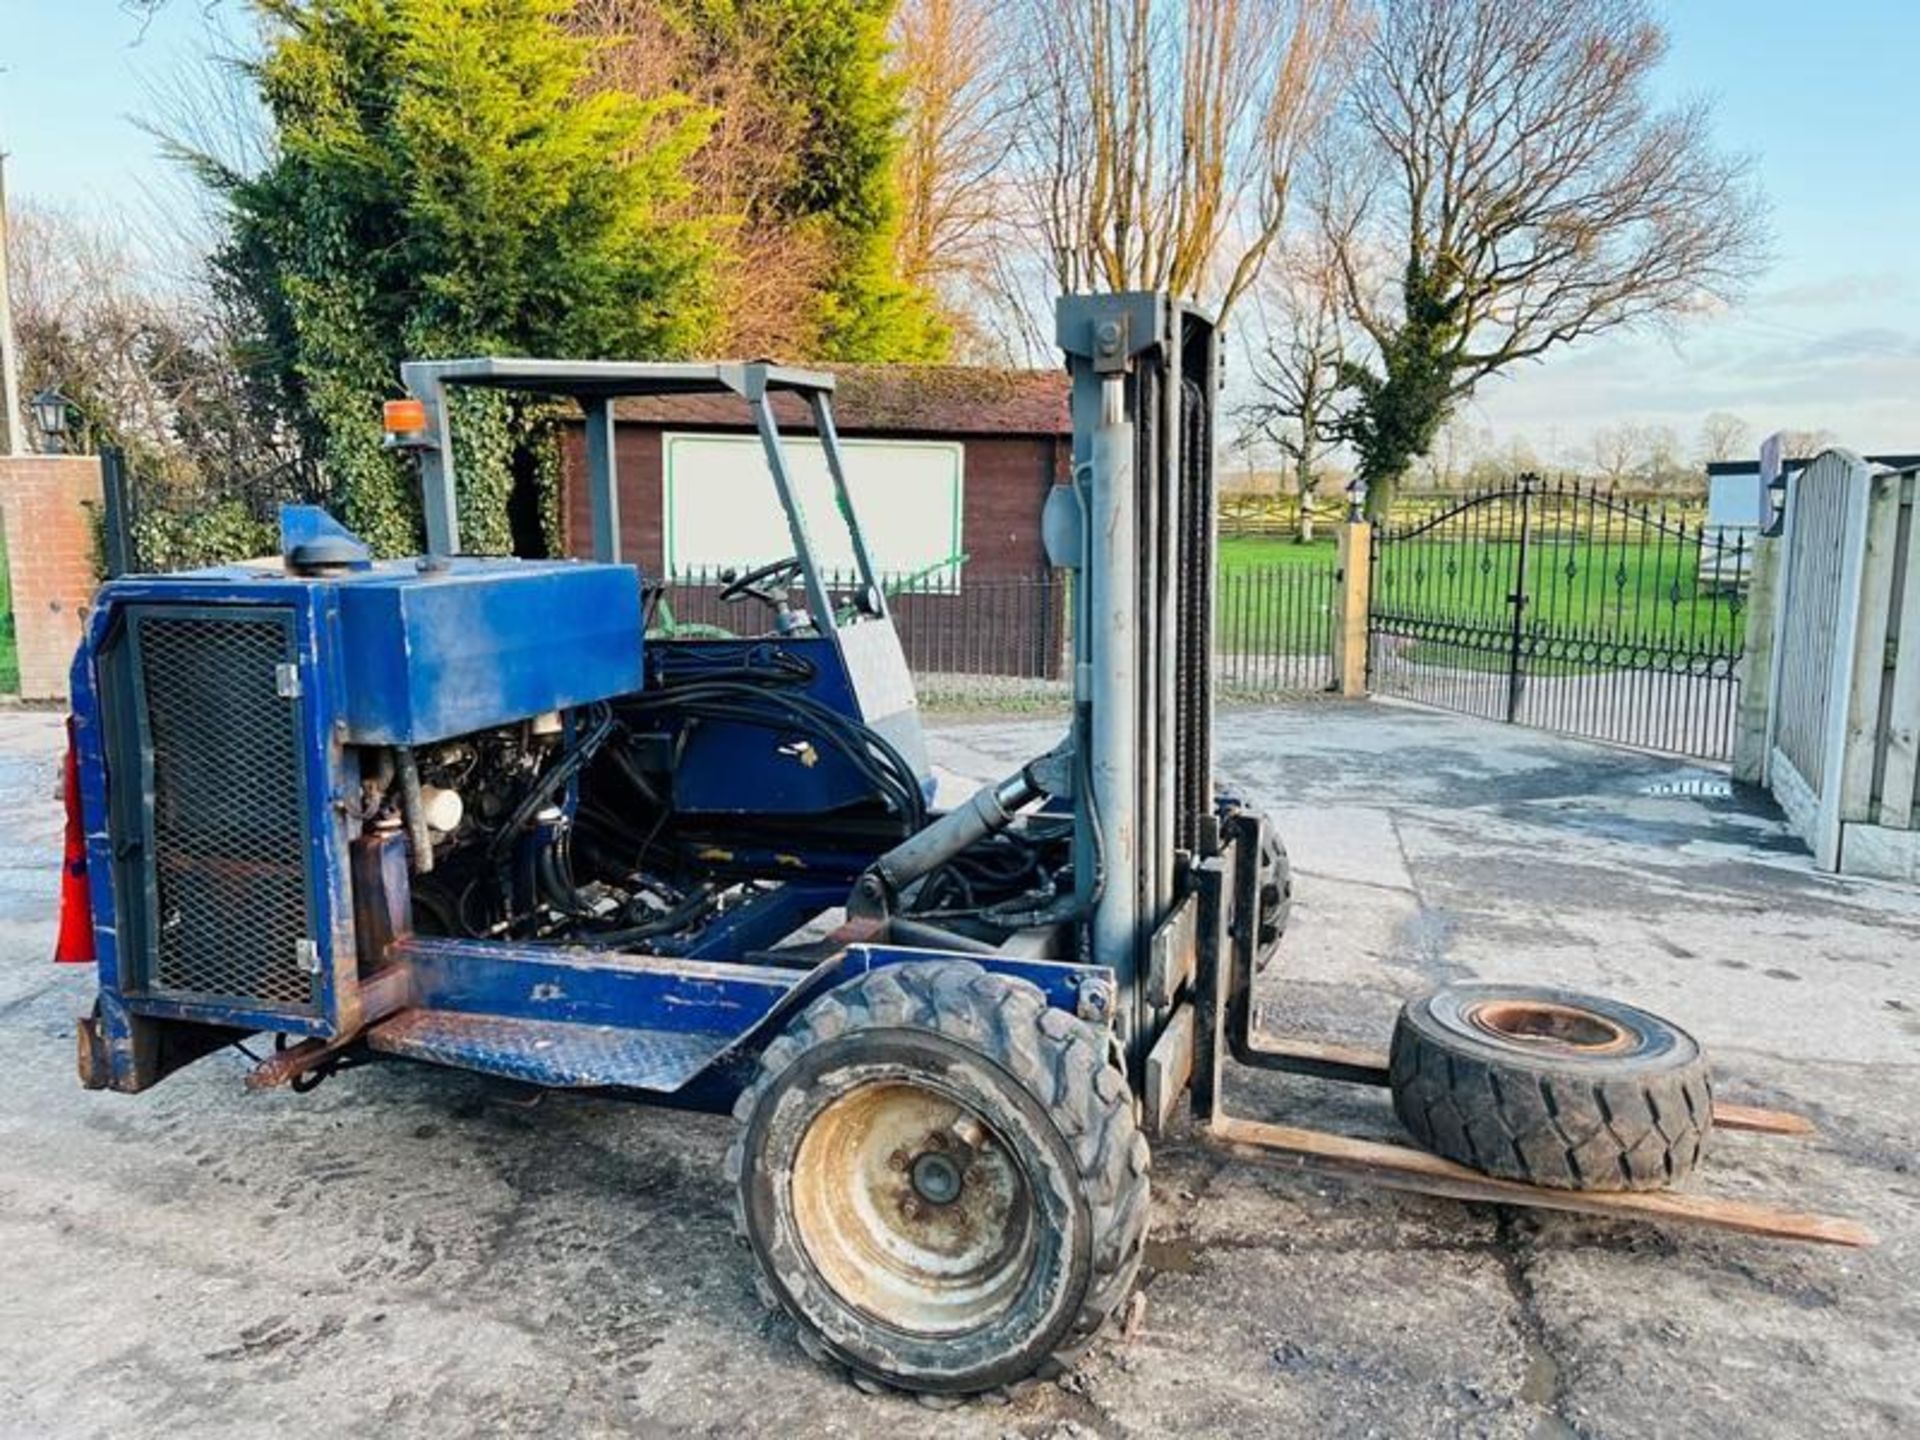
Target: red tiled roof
(891, 399)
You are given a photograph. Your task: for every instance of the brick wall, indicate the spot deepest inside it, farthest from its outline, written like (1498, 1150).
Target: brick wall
(44, 506)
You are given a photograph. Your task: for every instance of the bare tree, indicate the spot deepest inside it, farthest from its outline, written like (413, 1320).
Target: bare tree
(1245, 451)
(772, 267)
(1643, 457)
(1725, 437)
(1450, 461)
(1161, 140)
(154, 368)
(1662, 468)
(1296, 369)
(89, 329)
(960, 87)
(1512, 187)
(1616, 450)
(1806, 444)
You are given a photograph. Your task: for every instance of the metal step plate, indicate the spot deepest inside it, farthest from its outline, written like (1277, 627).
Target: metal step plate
(546, 1052)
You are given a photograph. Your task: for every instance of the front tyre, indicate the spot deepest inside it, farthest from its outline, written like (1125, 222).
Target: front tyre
(941, 1179)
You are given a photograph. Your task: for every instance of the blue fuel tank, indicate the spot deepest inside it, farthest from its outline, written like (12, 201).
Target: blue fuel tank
(425, 655)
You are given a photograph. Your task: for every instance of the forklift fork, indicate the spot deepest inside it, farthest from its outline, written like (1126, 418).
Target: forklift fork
(1205, 952)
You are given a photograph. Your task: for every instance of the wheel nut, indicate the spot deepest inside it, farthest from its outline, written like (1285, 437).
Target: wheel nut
(937, 1140)
(898, 1160)
(910, 1208)
(976, 1175)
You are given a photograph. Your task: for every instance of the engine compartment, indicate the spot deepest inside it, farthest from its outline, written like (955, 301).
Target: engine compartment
(565, 828)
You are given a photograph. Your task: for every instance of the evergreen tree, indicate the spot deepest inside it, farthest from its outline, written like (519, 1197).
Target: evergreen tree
(443, 185)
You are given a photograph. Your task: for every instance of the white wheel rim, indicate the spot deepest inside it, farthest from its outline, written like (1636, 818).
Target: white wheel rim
(912, 1210)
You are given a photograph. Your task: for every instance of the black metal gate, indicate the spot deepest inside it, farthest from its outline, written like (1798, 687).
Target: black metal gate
(1558, 605)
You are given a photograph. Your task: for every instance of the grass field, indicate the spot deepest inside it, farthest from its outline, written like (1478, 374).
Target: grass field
(1254, 553)
(1275, 597)
(1588, 602)
(1639, 595)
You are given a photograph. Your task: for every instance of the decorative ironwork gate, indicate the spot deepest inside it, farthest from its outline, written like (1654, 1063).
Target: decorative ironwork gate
(1558, 605)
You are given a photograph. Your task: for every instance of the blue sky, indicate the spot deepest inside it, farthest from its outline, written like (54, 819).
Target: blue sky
(1818, 93)
(1830, 337)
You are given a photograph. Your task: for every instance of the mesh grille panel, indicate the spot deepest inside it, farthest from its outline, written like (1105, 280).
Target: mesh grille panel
(228, 842)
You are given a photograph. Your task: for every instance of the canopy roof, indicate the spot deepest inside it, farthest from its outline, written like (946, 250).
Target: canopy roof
(605, 379)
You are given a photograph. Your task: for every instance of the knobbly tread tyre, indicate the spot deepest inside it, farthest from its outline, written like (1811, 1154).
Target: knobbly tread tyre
(1276, 898)
(1063, 1064)
(1632, 1121)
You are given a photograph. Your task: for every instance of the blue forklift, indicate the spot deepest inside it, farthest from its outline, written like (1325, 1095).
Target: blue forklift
(467, 811)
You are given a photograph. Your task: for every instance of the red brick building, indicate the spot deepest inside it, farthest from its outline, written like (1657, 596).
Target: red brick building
(1005, 435)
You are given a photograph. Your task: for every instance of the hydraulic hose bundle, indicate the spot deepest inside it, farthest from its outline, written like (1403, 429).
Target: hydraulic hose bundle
(759, 691)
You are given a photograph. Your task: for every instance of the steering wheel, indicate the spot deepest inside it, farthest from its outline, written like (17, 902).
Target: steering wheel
(767, 583)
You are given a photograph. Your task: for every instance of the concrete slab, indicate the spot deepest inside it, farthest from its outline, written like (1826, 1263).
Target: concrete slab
(428, 1253)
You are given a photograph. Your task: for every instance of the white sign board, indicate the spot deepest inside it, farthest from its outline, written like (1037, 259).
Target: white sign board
(720, 507)
(1736, 502)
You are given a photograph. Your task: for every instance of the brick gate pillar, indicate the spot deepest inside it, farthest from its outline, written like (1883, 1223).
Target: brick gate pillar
(47, 505)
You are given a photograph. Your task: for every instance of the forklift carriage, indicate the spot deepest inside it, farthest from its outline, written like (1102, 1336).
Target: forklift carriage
(472, 811)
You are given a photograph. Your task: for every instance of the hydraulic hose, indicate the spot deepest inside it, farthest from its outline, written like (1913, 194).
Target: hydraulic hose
(935, 937)
(990, 811)
(413, 810)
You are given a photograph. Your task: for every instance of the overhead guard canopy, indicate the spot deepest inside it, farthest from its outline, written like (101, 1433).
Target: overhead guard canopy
(608, 379)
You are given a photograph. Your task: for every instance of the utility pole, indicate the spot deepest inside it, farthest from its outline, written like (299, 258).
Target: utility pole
(10, 416)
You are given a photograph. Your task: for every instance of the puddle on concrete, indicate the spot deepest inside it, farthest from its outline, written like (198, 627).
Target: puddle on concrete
(1177, 1255)
(1540, 1388)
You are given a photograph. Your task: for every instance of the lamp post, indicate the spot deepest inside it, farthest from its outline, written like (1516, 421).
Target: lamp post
(50, 418)
(1356, 500)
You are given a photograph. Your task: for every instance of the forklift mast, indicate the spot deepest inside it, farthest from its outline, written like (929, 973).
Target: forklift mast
(1136, 528)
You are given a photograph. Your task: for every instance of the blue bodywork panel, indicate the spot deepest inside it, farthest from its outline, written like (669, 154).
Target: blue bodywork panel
(726, 768)
(302, 525)
(670, 1027)
(553, 635)
(391, 653)
(426, 656)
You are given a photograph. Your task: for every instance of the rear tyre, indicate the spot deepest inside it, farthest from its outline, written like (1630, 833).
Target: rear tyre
(1551, 1087)
(941, 1179)
(1276, 897)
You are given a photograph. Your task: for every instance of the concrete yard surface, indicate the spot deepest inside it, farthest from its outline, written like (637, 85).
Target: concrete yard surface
(421, 1252)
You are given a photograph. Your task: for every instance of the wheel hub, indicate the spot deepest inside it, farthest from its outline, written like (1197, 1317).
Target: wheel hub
(936, 1178)
(1550, 1026)
(912, 1210)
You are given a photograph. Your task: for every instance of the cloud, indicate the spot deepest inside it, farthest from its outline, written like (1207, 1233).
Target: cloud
(1860, 381)
(1876, 340)
(1849, 288)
